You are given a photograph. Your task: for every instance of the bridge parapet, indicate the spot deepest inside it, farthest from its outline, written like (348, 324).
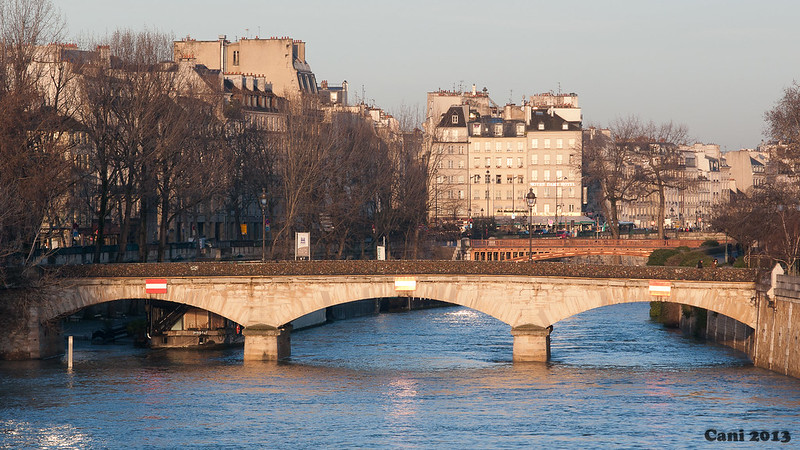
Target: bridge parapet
(406, 267)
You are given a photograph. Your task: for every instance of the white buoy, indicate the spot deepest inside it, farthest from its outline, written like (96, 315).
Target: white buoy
(69, 353)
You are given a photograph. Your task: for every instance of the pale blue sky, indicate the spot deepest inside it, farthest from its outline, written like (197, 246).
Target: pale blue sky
(713, 65)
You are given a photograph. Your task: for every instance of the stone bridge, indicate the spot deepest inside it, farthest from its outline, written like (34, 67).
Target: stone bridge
(530, 297)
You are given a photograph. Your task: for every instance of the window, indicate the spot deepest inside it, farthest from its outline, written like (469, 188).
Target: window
(559, 175)
(519, 162)
(487, 146)
(460, 149)
(520, 129)
(439, 165)
(498, 146)
(547, 143)
(509, 195)
(559, 143)
(454, 119)
(498, 129)
(499, 162)
(449, 194)
(565, 126)
(460, 163)
(498, 195)
(449, 163)
(559, 159)
(488, 161)
(476, 161)
(547, 160)
(535, 158)
(572, 143)
(509, 162)
(541, 126)
(236, 57)
(534, 143)
(499, 179)
(509, 180)
(477, 146)
(460, 194)
(508, 146)
(534, 175)
(450, 149)
(546, 208)
(547, 175)
(487, 194)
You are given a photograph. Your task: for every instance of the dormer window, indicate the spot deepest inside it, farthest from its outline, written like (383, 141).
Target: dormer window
(520, 129)
(541, 126)
(498, 129)
(454, 119)
(565, 126)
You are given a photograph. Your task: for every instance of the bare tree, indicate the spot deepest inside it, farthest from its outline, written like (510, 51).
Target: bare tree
(611, 165)
(33, 168)
(657, 147)
(783, 128)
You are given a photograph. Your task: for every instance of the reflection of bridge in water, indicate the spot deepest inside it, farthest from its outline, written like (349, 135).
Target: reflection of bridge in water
(552, 248)
(266, 297)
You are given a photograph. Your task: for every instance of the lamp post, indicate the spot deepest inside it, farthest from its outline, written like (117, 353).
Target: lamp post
(262, 199)
(697, 220)
(488, 183)
(530, 198)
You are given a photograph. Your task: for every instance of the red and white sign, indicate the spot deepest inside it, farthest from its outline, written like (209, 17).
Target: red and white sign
(660, 288)
(155, 286)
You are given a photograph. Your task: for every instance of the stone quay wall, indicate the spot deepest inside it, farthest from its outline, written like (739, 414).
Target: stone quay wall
(777, 340)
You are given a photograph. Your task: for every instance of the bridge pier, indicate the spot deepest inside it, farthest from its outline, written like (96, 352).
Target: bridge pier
(25, 335)
(267, 343)
(531, 343)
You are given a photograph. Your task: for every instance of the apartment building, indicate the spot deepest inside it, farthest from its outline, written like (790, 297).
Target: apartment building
(486, 158)
(280, 61)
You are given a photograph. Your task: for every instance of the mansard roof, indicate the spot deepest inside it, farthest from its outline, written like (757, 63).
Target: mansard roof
(453, 118)
(551, 121)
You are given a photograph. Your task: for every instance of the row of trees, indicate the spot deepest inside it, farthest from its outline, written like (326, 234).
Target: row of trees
(634, 160)
(120, 136)
(767, 218)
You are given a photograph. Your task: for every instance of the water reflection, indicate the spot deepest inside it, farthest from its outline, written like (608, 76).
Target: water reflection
(437, 378)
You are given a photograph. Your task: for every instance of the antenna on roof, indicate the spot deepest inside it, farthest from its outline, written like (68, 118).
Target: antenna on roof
(559, 88)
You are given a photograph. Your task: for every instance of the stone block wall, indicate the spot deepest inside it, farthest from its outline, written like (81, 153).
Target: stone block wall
(25, 337)
(731, 333)
(777, 345)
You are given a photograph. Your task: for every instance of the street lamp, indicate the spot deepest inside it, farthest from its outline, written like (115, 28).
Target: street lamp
(697, 220)
(262, 199)
(488, 183)
(530, 198)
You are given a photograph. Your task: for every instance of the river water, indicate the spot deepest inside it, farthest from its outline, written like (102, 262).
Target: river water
(439, 378)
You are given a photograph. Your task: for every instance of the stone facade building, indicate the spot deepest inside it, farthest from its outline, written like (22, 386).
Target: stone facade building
(281, 62)
(485, 158)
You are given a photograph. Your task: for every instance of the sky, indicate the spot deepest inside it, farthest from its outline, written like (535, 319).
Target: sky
(715, 66)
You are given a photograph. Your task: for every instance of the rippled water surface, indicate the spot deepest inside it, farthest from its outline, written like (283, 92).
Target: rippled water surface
(435, 378)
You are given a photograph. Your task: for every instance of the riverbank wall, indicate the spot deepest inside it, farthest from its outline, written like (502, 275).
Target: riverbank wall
(774, 344)
(777, 343)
